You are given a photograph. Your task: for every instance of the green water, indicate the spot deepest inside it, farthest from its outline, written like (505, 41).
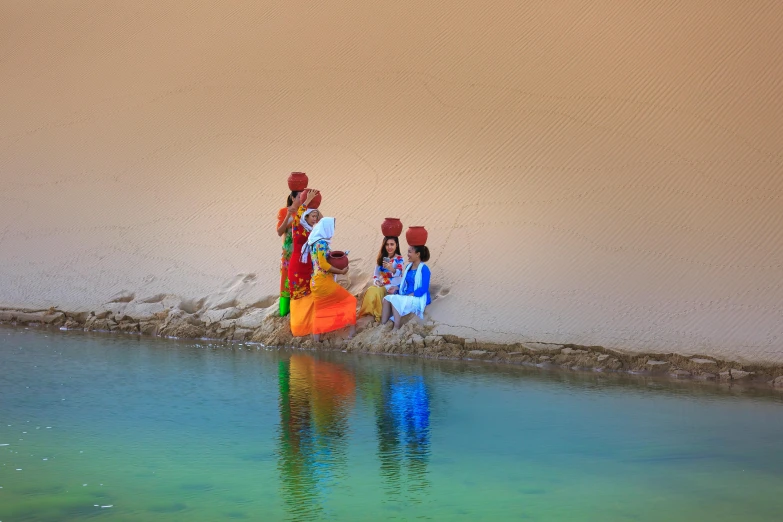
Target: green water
(128, 428)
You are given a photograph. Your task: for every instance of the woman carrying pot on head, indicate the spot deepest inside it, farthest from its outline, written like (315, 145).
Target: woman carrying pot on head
(388, 274)
(413, 294)
(285, 230)
(333, 306)
(300, 268)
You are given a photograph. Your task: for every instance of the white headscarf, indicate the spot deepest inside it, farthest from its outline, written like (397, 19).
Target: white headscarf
(324, 229)
(303, 221)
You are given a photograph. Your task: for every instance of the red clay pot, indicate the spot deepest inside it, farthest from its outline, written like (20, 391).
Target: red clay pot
(315, 203)
(391, 227)
(416, 236)
(338, 259)
(297, 181)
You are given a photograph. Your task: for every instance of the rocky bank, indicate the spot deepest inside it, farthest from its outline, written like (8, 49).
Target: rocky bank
(171, 317)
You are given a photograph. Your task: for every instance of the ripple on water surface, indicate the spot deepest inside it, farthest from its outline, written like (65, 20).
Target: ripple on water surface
(129, 428)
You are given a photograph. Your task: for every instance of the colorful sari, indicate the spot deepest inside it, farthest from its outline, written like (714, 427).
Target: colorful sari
(334, 307)
(285, 292)
(299, 274)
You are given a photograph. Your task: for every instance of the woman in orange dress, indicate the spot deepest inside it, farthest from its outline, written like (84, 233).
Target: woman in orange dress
(333, 306)
(300, 268)
(284, 230)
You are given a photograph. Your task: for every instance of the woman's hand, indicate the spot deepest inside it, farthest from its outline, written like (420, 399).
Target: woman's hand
(393, 290)
(377, 282)
(339, 271)
(311, 194)
(388, 265)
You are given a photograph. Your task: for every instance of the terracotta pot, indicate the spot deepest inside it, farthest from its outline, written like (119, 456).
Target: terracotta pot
(338, 259)
(315, 203)
(297, 181)
(416, 236)
(391, 227)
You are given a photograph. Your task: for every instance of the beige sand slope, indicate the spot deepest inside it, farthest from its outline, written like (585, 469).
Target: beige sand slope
(593, 171)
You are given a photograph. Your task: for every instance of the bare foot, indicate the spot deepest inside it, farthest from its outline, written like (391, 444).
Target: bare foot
(352, 332)
(317, 338)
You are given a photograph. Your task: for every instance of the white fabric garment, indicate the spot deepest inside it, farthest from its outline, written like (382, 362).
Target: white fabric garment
(409, 304)
(324, 229)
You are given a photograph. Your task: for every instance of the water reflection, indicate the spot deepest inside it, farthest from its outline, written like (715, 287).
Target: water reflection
(403, 424)
(315, 399)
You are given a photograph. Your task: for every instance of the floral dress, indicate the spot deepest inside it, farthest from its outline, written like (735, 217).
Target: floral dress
(320, 253)
(372, 303)
(288, 246)
(299, 273)
(387, 278)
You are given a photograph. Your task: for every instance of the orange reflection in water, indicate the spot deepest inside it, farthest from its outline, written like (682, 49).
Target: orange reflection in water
(315, 400)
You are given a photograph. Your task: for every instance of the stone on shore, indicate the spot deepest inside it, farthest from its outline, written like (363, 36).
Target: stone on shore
(658, 366)
(541, 346)
(432, 340)
(739, 374)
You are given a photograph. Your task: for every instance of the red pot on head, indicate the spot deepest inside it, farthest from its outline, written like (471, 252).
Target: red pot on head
(338, 259)
(416, 236)
(315, 203)
(391, 227)
(297, 181)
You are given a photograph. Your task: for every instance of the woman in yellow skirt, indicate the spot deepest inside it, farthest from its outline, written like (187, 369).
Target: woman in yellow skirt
(388, 275)
(333, 306)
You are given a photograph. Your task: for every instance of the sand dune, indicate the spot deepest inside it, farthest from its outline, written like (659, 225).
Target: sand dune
(591, 172)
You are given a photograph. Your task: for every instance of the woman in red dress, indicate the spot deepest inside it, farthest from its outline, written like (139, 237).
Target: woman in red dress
(300, 270)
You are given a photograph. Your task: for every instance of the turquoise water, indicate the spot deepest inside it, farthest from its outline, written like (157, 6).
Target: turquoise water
(129, 428)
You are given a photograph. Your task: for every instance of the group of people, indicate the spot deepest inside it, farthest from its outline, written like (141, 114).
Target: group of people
(309, 292)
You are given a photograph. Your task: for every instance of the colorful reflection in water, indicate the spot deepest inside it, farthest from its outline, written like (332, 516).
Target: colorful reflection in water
(122, 428)
(315, 399)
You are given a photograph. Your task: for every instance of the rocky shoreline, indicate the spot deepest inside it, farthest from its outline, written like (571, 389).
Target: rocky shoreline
(262, 325)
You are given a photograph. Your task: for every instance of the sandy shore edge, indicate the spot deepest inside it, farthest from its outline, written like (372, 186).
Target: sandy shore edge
(264, 327)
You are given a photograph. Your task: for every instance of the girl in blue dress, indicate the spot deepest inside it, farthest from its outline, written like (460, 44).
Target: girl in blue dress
(413, 294)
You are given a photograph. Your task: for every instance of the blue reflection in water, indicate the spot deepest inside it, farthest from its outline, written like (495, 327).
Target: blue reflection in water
(403, 423)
